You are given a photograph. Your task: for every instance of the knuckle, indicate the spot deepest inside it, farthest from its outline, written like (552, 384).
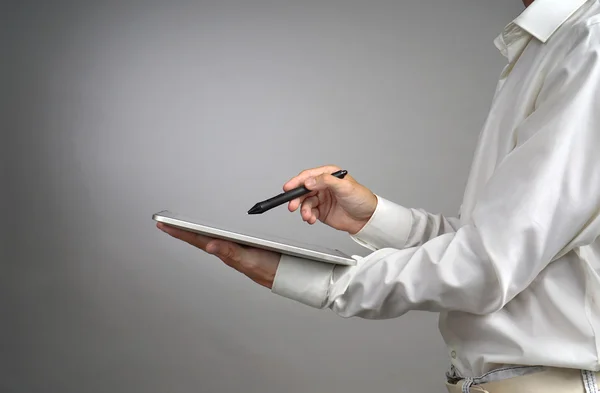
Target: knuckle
(251, 265)
(326, 180)
(234, 255)
(227, 253)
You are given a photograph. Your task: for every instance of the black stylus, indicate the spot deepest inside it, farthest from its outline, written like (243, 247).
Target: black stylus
(287, 196)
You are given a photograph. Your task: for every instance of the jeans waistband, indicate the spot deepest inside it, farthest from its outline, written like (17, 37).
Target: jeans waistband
(453, 376)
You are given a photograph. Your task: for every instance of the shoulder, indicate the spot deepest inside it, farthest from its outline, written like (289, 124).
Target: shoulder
(584, 34)
(574, 46)
(572, 62)
(581, 30)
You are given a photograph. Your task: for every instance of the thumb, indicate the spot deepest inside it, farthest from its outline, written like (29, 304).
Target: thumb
(225, 250)
(325, 181)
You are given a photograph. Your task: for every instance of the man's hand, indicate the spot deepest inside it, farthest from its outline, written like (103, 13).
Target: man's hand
(259, 265)
(343, 204)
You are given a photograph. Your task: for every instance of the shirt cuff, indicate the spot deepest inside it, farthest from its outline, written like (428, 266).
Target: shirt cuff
(303, 280)
(389, 226)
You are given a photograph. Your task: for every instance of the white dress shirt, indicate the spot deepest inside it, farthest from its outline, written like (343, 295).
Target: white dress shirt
(515, 275)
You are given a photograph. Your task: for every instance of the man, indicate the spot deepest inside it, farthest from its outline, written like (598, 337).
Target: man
(515, 275)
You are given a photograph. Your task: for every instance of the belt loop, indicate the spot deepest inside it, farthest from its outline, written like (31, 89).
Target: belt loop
(589, 381)
(466, 388)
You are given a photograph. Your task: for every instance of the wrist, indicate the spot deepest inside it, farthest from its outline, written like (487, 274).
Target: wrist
(370, 208)
(271, 272)
(389, 226)
(261, 266)
(359, 225)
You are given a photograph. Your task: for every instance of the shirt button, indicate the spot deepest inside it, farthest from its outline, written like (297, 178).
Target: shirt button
(453, 354)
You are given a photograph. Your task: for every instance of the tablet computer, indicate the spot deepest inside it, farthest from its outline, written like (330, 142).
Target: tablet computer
(267, 242)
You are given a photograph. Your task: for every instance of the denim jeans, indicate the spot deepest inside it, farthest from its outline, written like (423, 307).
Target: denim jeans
(453, 376)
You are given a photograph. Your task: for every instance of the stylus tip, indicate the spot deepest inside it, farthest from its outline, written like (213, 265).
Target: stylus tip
(255, 209)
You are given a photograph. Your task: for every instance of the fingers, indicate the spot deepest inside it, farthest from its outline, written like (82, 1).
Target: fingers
(299, 180)
(326, 181)
(188, 237)
(228, 252)
(295, 203)
(259, 265)
(315, 216)
(309, 211)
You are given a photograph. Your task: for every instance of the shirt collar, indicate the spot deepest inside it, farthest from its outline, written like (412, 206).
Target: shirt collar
(543, 17)
(540, 20)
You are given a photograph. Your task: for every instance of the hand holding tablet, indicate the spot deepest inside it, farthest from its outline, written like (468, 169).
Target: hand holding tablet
(327, 194)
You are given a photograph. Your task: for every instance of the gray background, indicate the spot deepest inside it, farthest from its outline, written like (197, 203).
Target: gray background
(115, 110)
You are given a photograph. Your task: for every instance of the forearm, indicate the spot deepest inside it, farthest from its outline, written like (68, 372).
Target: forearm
(390, 282)
(541, 202)
(396, 226)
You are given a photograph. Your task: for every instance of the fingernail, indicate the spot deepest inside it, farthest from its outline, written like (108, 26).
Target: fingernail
(310, 182)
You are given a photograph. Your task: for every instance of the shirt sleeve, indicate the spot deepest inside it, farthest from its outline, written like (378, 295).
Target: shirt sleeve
(393, 225)
(542, 202)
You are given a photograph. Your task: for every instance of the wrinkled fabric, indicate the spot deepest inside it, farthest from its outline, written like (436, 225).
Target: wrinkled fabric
(514, 275)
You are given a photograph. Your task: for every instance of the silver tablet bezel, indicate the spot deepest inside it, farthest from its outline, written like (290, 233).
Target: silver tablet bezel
(284, 246)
